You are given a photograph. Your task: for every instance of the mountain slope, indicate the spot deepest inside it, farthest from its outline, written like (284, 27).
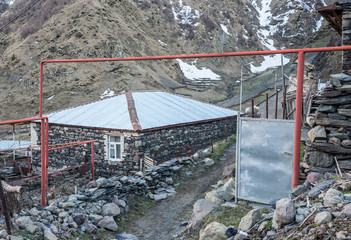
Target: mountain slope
(65, 29)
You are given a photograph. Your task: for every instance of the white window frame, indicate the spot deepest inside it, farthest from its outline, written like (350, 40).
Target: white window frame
(115, 144)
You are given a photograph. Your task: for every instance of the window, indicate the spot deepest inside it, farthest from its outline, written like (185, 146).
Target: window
(114, 149)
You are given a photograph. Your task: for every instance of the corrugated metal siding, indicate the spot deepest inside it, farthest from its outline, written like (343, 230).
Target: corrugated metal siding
(157, 109)
(9, 144)
(107, 113)
(154, 109)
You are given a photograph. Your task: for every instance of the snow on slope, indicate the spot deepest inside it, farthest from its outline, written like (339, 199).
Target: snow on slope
(193, 73)
(265, 16)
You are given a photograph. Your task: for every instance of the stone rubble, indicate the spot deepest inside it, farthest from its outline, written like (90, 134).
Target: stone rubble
(95, 205)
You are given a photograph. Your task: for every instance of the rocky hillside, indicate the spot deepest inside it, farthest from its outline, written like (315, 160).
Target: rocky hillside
(32, 30)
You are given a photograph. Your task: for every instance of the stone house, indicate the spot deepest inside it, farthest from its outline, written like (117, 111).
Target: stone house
(135, 126)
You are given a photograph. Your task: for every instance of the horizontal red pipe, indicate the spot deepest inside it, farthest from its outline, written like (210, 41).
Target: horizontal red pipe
(22, 120)
(285, 51)
(51, 145)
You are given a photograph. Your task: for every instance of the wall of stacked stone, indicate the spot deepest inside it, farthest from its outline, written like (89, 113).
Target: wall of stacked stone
(165, 144)
(160, 145)
(346, 38)
(330, 134)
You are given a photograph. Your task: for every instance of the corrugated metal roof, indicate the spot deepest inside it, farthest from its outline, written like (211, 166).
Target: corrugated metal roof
(10, 144)
(107, 113)
(154, 110)
(157, 109)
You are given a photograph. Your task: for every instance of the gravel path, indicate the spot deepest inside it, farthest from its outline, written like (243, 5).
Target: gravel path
(162, 221)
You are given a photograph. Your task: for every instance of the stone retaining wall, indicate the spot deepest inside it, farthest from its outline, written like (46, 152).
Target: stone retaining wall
(330, 134)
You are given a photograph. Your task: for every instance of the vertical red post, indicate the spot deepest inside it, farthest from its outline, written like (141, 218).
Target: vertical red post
(41, 90)
(298, 118)
(47, 153)
(92, 160)
(43, 162)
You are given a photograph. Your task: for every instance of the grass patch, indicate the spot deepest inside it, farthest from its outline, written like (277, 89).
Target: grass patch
(227, 215)
(220, 147)
(269, 225)
(139, 206)
(302, 151)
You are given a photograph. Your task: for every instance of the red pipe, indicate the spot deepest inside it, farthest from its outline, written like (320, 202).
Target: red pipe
(43, 162)
(20, 120)
(92, 161)
(41, 89)
(47, 154)
(298, 117)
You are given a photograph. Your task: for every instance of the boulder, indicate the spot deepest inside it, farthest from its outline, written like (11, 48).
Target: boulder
(298, 190)
(314, 177)
(333, 197)
(228, 171)
(319, 159)
(23, 221)
(201, 208)
(110, 209)
(284, 213)
(347, 210)
(108, 223)
(3, 233)
(213, 231)
(250, 219)
(321, 186)
(34, 212)
(208, 161)
(317, 133)
(48, 235)
(227, 191)
(213, 196)
(124, 236)
(323, 217)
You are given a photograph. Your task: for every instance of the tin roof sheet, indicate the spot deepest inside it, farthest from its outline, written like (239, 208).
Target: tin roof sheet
(10, 144)
(154, 110)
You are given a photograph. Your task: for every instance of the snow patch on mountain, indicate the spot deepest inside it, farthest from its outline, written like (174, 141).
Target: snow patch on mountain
(185, 14)
(265, 17)
(225, 29)
(191, 72)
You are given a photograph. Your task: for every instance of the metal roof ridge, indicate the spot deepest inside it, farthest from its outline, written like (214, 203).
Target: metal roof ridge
(132, 112)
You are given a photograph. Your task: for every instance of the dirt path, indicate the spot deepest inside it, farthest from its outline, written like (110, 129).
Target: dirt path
(162, 221)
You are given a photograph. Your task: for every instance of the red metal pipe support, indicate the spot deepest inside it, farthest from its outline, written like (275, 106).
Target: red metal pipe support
(298, 117)
(92, 161)
(43, 162)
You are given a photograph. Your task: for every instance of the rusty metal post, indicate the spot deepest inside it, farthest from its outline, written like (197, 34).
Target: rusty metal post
(298, 118)
(92, 160)
(43, 162)
(284, 102)
(276, 104)
(266, 105)
(47, 153)
(252, 108)
(4, 209)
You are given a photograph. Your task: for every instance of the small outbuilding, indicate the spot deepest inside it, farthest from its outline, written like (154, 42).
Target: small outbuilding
(135, 126)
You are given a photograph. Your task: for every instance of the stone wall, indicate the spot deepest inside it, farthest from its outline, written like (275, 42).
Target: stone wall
(330, 134)
(160, 145)
(346, 38)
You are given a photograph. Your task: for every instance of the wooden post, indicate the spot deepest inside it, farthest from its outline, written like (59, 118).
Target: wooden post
(252, 108)
(266, 105)
(4, 209)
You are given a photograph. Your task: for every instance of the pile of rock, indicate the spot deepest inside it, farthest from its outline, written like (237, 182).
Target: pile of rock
(318, 209)
(330, 134)
(95, 206)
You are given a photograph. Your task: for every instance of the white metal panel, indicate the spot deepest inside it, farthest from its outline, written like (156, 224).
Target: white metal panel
(10, 144)
(157, 109)
(264, 159)
(106, 113)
